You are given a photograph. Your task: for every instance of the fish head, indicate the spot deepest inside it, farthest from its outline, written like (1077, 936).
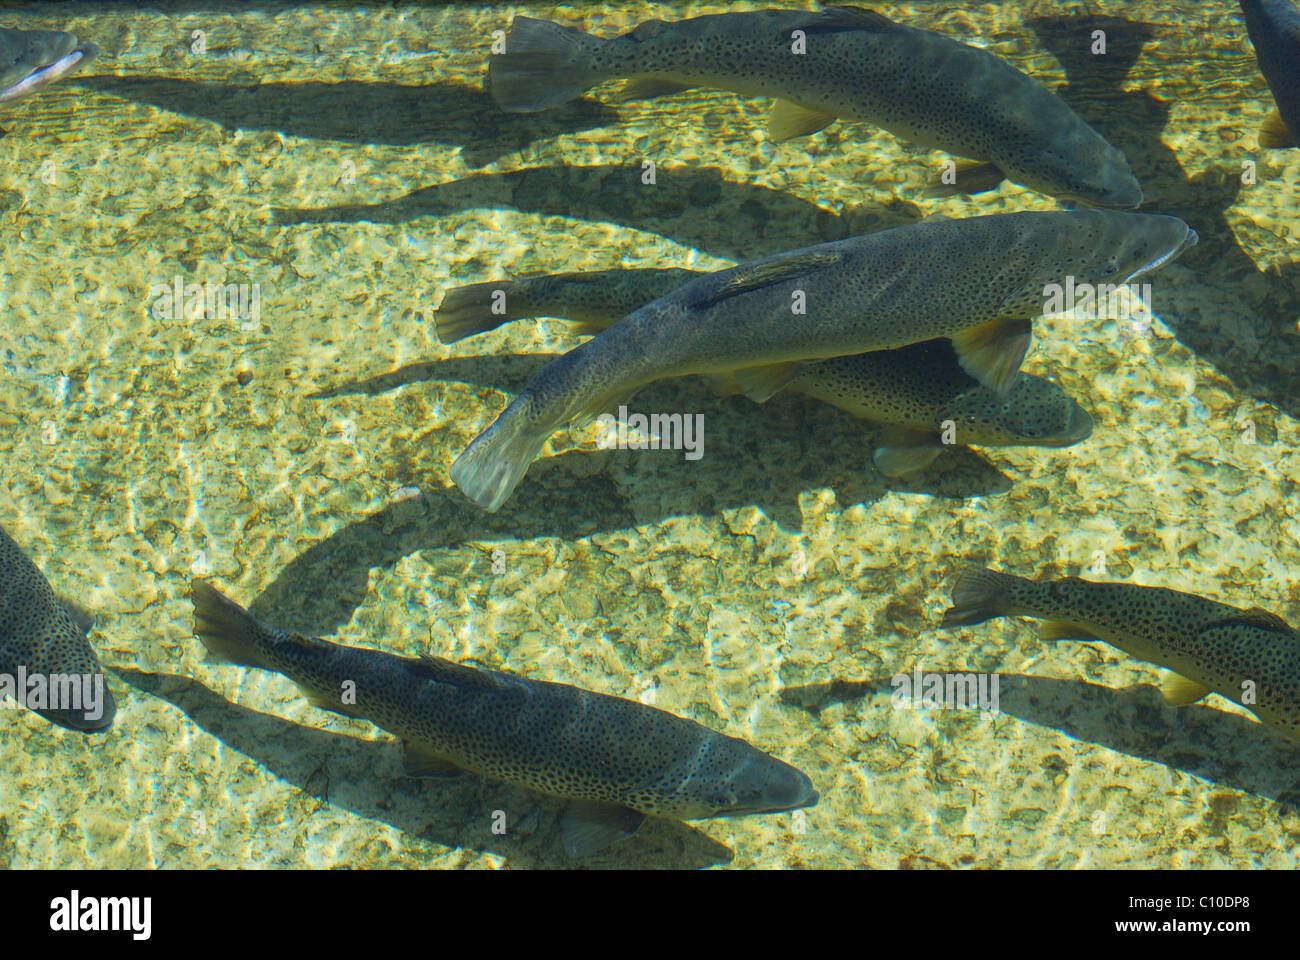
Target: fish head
(1116, 248)
(33, 59)
(93, 717)
(1035, 412)
(758, 784)
(1091, 172)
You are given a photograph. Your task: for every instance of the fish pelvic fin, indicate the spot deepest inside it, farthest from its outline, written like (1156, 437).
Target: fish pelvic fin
(476, 308)
(725, 384)
(1180, 691)
(493, 464)
(762, 382)
(540, 68)
(588, 826)
(229, 632)
(1275, 134)
(992, 352)
(978, 595)
(789, 120)
(420, 760)
(973, 176)
(1050, 630)
(904, 451)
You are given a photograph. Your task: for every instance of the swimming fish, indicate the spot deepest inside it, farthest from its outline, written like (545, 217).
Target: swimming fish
(1274, 28)
(32, 59)
(919, 391)
(840, 62)
(978, 281)
(43, 639)
(1252, 657)
(617, 761)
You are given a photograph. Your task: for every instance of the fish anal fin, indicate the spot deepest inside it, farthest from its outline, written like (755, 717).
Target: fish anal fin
(1180, 691)
(588, 826)
(972, 176)
(789, 120)
(1063, 630)
(993, 351)
(456, 674)
(1275, 134)
(902, 451)
(325, 702)
(766, 274)
(648, 88)
(761, 382)
(420, 760)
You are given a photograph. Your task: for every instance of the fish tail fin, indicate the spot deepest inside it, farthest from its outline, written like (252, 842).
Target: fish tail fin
(229, 632)
(539, 67)
(978, 595)
(476, 308)
(491, 467)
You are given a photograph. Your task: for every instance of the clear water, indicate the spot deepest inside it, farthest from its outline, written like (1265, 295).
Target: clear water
(349, 163)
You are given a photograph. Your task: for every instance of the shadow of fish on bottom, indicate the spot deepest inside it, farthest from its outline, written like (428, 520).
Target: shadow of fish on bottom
(616, 761)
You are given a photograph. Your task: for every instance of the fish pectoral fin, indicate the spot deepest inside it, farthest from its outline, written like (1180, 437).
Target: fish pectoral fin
(419, 760)
(903, 451)
(789, 120)
(323, 702)
(993, 351)
(456, 674)
(648, 88)
(767, 274)
(590, 327)
(1274, 133)
(1062, 630)
(83, 618)
(972, 176)
(1180, 691)
(761, 382)
(588, 826)
(1258, 617)
(725, 384)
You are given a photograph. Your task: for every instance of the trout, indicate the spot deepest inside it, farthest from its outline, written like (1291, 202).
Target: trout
(979, 281)
(616, 761)
(840, 62)
(33, 59)
(1274, 28)
(919, 392)
(43, 642)
(1209, 646)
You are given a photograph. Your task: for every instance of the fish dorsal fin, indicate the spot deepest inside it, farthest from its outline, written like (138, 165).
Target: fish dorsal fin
(839, 19)
(1257, 617)
(456, 674)
(419, 760)
(646, 29)
(1180, 691)
(588, 826)
(789, 120)
(767, 274)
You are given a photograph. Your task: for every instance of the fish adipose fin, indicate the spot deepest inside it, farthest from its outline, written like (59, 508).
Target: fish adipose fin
(760, 383)
(465, 311)
(1180, 691)
(993, 351)
(769, 273)
(537, 70)
(1275, 134)
(977, 596)
(229, 632)
(1063, 630)
(648, 88)
(456, 674)
(789, 120)
(588, 826)
(904, 451)
(419, 760)
(973, 176)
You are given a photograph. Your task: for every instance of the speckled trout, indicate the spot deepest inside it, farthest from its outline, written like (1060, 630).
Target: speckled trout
(32, 59)
(1274, 27)
(617, 761)
(1252, 657)
(841, 62)
(45, 656)
(919, 392)
(978, 281)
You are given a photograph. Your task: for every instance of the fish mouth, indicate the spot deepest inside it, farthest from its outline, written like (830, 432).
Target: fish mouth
(1189, 240)
(45, 75)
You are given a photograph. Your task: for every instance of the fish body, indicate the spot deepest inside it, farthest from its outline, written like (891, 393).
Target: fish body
(1274, 28)
(920, 388)
(33, 59)
(979, 281)
(849, 63)
(42, 636)
(616, 760)
(1210, 646)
